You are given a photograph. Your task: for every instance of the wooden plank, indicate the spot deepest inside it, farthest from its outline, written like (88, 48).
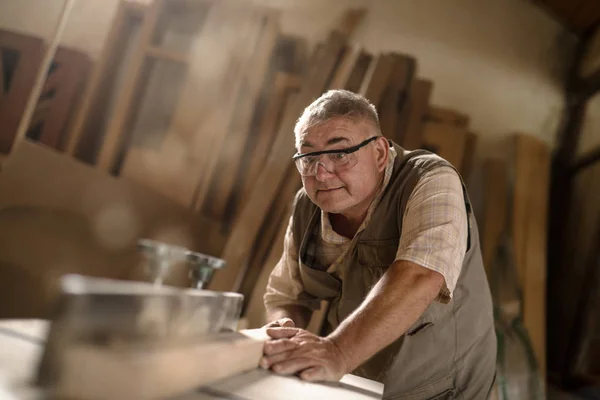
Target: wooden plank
(449, 142)
(248, 224)
(88, 370)
(394, 107)
(495, 210)
(359, 71)
(447, 116)
(192, 143)
(71, 71)
(14, 100)
(469, 155)
(347, 66)
(93, 106)
(1, 75)
(167, 55)
(419, 103)
(284, 84)
(530, 206)
(113, 138)
(350, 21)
(377, 78)
(279, 210)
(230, 159)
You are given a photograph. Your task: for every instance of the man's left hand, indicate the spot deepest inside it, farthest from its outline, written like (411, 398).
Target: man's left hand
(297, 351)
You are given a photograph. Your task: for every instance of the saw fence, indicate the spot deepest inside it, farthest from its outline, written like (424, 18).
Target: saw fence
(195, 102)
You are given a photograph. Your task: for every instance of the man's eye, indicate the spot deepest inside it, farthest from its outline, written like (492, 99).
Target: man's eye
(309, 160)
(339, 156)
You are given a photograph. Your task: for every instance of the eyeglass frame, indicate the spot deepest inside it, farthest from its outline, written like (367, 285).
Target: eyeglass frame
(347, 150)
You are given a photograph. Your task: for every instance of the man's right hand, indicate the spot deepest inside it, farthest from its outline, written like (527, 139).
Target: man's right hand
(280, 323)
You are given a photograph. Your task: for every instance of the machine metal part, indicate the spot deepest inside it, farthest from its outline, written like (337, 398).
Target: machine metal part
(161, 257)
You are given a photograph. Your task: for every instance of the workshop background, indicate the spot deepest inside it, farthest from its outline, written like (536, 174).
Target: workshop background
(173, 120)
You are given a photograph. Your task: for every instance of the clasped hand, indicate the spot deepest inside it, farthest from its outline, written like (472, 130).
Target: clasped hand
(297, 351)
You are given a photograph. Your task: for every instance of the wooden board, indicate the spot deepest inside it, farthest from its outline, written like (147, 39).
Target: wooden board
(377, 78)
(29, 52)
(447, 141)
(114, 136)
(394, 106)
(285, 85)
(495, 213)
(228, 161)
(447, 116)
(248, 224)
(168, 370)
(419, 103)
(93, 111)
(357, 75)
(469, 155)
(530, 205)
(347, 65)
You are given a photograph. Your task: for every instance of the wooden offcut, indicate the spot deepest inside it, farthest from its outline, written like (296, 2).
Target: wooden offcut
(114, 136)
(377, 78)
(235, 140)
(449, 142)
(394, 109)
(412, 137)
(529, 226)
(495, 213)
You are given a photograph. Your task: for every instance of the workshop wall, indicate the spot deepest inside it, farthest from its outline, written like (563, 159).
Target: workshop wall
(500, 61)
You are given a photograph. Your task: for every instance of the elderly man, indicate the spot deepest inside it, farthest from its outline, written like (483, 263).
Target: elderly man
(388, 238)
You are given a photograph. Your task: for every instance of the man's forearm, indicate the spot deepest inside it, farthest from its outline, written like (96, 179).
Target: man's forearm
(299, 314)
(393, 305)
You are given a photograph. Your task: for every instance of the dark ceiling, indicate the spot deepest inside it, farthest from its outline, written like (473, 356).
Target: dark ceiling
(578, 16)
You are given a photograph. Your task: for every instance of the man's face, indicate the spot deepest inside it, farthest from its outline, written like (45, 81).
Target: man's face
(352, 190)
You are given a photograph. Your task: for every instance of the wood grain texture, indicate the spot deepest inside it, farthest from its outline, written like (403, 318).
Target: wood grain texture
(394, 109)
(105, 372)
(230, 158)
(495, 212)
(449, 142)
(14, 99)
(447, 116)
(377, 78)
(419, 103)
(248, 224)
(114, 137)
(347, 65)
(242, 238)
(530, 207)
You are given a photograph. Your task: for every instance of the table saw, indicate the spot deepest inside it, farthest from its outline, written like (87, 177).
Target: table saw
(112, 339)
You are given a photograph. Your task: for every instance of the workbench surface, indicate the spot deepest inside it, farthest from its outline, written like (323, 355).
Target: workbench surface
(21, 346)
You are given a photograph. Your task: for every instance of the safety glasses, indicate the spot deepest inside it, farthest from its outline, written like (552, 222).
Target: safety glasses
(334, 161)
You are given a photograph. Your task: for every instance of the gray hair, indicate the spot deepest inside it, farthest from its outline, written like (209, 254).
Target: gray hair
(335, 104)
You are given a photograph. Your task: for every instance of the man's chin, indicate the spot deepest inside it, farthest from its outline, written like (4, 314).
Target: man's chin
(331, 202)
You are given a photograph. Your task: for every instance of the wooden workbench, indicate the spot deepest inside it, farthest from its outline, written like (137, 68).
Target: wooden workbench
(21, 346)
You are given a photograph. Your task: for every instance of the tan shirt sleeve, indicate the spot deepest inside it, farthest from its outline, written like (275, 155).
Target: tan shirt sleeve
(285, 285)
(435, 227)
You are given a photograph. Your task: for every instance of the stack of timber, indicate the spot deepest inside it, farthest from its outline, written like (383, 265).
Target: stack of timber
(198, 100)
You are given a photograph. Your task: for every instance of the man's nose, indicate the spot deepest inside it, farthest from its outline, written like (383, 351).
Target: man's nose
(322, 173)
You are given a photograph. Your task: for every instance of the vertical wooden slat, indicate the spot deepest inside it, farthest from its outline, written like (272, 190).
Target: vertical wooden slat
(114, 135)
(377, 78)
(230, 158)
(495, 213)
(248, 223)
(419, 103)
(449, 142)
(101, 74)
(284, 84)
(530, 206)
(354, 81)
(469, 155)
(394, 107)
(346, 67)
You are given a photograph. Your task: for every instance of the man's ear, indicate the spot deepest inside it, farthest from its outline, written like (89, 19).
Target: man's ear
(382, 151)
